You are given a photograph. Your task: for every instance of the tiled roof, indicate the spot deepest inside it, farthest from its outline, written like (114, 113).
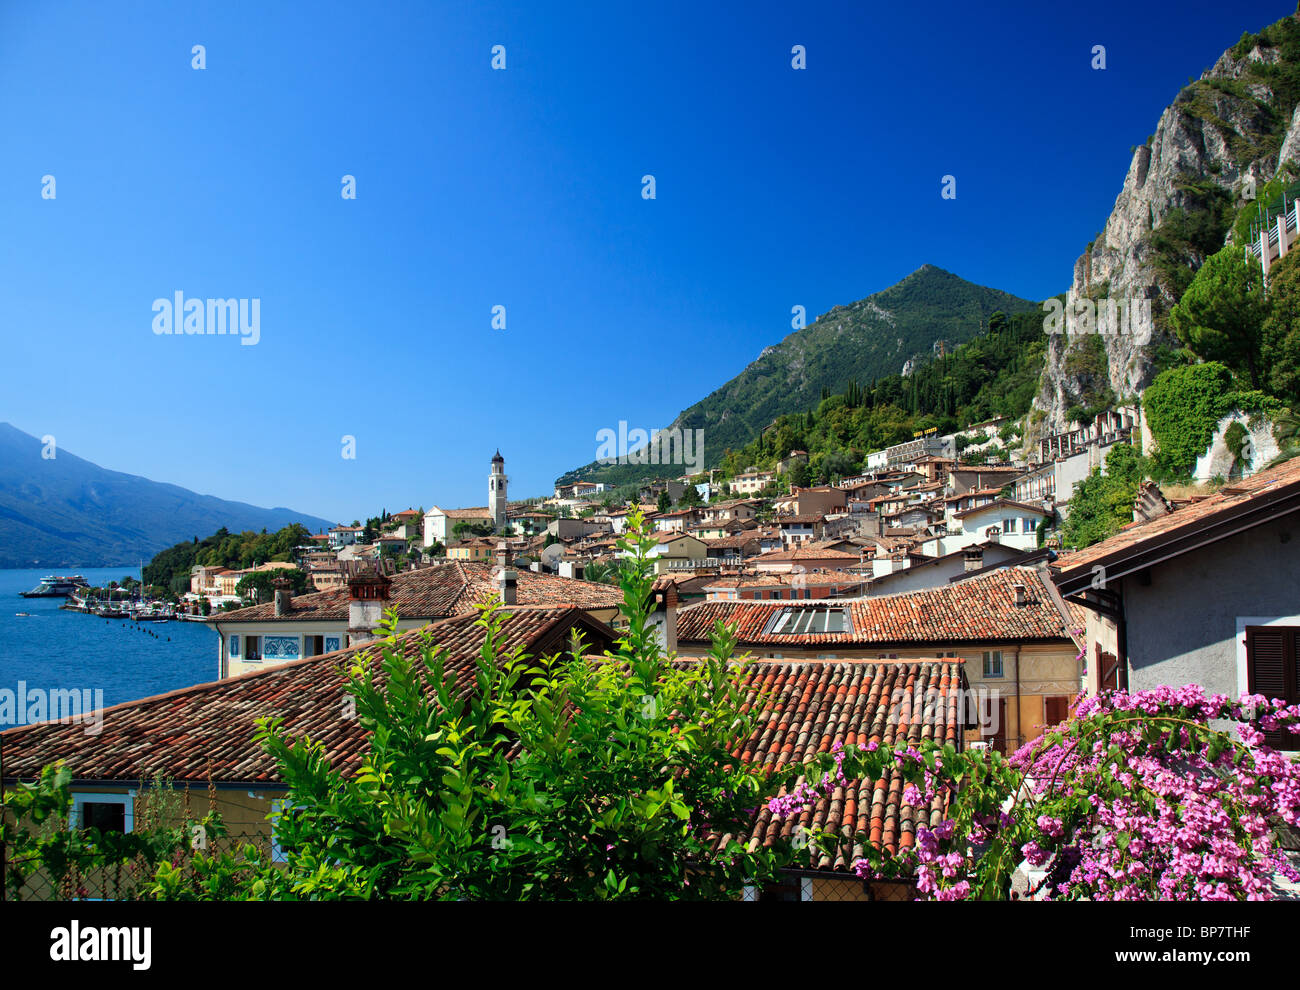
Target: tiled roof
(1008, 503)
(976, 610)
(805, 553)
(1240, 496)
(178, 733)
(808, 707)
(437, 592)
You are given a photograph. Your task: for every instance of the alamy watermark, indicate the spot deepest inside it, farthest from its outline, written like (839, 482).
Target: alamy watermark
(179, 315)
(70, 706)
(638, 446)
(1109, 317)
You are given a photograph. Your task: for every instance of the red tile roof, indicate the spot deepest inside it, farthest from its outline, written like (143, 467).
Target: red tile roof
(438, 592)
(808, 707)
(980, 609)
(181, 733)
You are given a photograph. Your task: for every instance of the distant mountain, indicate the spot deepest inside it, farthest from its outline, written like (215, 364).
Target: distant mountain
(68, 512)
(861, 342)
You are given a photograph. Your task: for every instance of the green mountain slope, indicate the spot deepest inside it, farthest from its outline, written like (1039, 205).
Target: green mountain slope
(861, 342)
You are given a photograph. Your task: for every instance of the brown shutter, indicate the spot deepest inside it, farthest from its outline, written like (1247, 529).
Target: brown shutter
(1271, 670)
(1057, 709)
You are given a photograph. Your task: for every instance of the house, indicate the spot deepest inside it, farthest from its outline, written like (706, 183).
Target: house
(733, 510)
(811, 501)
(784, 465)
(807, 558)
(1014, 524)
(1204, 593)
(344, 536)
(306, 625)
(1010, 625)
(566, 529)
(799, 529)
(440, 524)
(675, 549)
(968, 478)
(789, 586)
(933, 572)
(752, 482)
(477, 548)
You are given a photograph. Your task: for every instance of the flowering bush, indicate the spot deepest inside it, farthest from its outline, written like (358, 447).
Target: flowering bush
(1137, 797)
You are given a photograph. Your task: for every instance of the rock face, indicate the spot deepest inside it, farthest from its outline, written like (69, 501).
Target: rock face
(1223, 136)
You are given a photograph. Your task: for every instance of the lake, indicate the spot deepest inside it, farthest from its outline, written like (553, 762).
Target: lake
(57, 650)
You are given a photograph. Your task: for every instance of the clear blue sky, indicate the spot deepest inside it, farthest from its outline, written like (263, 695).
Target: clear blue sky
(522, 188)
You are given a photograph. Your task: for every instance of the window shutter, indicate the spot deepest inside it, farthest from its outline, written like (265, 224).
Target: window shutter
(1271, 670)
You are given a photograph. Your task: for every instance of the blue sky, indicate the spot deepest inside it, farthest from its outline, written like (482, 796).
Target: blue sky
(520, 188)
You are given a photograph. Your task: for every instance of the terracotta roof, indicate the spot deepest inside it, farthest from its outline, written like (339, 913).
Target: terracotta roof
(1252, 496)
(804, 519)
(478, 512)
(438, 592)
(811, 706)
(178, 733)
(807, 708)
(804, 553)
(1036, 509)
(976, 610)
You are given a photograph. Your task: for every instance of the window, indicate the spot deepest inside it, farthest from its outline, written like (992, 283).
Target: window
(794, 621)
(234, 646)
(252, 647)
(1008, 525)
(106, 812)
(992, 663)
(1273, 670)
(313, 646)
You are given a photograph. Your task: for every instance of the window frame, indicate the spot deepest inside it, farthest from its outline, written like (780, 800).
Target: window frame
(987, 659)
(82, 798)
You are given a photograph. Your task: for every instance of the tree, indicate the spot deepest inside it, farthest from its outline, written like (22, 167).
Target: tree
(691, 496)
(555, 778)
(1221, 314)
(1102, 503)
(259, 586)
(665, 503)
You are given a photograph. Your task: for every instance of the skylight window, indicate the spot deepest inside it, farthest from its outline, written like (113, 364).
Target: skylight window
(799, 621)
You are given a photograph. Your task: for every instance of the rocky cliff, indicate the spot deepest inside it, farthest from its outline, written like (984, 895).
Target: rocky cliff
(1223, 138)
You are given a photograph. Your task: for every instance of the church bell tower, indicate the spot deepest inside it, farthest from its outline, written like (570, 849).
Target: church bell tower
(497, 492)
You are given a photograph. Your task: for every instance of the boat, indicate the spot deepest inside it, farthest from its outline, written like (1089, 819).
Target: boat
(57, 586)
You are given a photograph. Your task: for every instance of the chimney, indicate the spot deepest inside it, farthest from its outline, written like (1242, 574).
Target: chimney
(367, 598)
(974, 558)
(505, 578)
(283, 597)
(663, 620)
(1019, 589)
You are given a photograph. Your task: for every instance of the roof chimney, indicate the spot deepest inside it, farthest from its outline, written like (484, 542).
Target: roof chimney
(505, 578)
(974, 558)
(1019, 589)
(283, 596)
(367, 596)
(663, 620)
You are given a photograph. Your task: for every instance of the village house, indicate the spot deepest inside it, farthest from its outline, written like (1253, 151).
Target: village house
(290, 628)
(344, 536)
(805, 558)
(1010, 626)
(1204, 593)
(752, 482)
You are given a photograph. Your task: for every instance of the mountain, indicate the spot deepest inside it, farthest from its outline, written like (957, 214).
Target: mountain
(1216, 152)
(861, 342)
(68, 512)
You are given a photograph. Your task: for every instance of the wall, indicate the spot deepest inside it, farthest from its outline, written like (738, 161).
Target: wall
(1183, 627)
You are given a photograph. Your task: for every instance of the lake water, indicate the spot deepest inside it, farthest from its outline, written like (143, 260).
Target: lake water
(58, 650)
